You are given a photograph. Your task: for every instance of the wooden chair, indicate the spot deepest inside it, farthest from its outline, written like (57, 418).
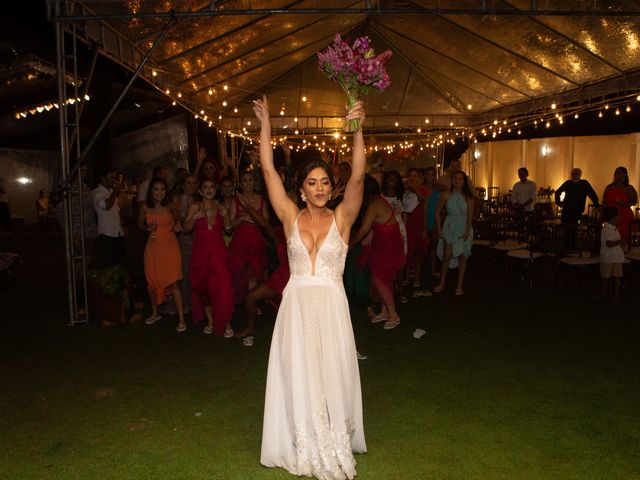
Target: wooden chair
(539, 242)
(577, 252)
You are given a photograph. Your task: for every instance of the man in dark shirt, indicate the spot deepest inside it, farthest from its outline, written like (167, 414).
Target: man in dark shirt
(576, 192)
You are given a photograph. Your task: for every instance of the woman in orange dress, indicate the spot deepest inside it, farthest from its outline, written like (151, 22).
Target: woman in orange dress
(162, 259)
(623, 196)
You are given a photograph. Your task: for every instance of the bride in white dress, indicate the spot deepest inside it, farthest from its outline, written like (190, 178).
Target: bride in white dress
(313, 403)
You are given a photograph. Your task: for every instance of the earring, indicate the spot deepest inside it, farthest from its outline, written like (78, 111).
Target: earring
(304, 197)
(330, 194)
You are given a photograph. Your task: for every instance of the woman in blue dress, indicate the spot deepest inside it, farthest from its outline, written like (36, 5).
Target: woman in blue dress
(456, 236)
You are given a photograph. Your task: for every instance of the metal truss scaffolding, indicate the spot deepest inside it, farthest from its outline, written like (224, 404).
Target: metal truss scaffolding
(72, 156)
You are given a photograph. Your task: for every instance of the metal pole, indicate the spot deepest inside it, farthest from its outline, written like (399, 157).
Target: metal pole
(135, 75)
(356, 11)
(64, 161)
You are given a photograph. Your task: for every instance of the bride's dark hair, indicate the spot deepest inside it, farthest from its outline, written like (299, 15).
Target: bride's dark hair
(306, 168)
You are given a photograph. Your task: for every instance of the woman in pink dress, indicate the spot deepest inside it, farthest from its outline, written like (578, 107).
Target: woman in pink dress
(386, 256)
(248, 247)
(623, 196)
(209, 272)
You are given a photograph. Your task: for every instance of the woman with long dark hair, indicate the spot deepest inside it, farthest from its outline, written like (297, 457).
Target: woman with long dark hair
(248, 247)
(209, 272)
(456, 236)
(417, 241)
(313, 405)
(162, 259)
(386, 255)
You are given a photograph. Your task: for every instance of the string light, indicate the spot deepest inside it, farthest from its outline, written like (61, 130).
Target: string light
(154, 73)
(210, 92)
(617, 111)
(599, 114)
(235, 109)
(304, 98)
(225, 87)
(179, 95)
(224, 103)
(553, 106)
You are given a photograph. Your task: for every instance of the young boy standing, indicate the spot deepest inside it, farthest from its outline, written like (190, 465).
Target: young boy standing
(611, 255)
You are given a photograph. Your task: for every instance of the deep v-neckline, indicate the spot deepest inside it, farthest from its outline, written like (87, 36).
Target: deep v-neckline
(311, 260)
(210, 225)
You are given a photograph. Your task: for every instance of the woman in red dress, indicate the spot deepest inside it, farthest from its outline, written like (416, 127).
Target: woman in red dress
(248, 247)
(623, 196)
(417, 241)
(386, 258)
(209, 272)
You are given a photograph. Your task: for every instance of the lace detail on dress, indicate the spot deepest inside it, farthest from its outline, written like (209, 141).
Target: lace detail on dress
(321, 451)
(330, 257)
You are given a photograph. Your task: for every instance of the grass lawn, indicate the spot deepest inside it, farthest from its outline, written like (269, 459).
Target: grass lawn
(505, 385)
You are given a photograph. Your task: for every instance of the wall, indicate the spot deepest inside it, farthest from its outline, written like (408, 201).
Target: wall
(497, 163)
(38, 168)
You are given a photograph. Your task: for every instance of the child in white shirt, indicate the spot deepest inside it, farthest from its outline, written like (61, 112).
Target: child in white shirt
(611, 255)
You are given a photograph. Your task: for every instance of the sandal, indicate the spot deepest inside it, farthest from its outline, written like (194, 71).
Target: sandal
(459, 291)
(181, 327)
(228, 333)
(247, 341)
(379, 318)
(152, 319)
(438, 288)
(208, 330)
(391, 324)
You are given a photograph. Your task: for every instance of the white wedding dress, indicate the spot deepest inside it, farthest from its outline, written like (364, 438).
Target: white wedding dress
(313, 403)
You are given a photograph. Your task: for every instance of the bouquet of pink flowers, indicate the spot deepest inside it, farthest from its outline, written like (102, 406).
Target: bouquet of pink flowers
(356, 68)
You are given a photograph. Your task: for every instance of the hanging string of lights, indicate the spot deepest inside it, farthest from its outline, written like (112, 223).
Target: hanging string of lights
(431, 135)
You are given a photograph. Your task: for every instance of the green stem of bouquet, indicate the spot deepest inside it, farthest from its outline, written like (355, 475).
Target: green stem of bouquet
(352, 93)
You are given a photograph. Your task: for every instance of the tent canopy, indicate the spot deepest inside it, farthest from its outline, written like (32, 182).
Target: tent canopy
(455, 61)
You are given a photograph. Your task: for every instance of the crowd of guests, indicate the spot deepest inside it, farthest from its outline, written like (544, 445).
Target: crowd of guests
(214, 247)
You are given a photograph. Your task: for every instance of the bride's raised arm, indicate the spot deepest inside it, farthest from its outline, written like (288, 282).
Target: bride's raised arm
(285, 208)
(349, 208)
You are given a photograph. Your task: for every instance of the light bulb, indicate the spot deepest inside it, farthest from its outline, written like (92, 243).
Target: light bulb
(225, 87)
(426, 120)
(224, 103)
(617, 111)
(210, 92)
(628, 109)
(235, 109)
(469, 107)
(396, 124)
(179, 95)
(281, 113)
(599, 114)
(576, 116)
(167, 91)
(304, 99)
(154, 73)
(553, 106)
(201, 112)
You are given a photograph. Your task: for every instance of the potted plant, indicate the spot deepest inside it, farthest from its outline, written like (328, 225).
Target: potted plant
(108, 290)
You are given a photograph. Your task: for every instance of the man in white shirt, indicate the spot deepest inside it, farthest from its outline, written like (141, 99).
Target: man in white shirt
(524, 192)
(109, 247)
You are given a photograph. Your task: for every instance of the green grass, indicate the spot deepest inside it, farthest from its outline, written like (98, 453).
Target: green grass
(504, 385)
